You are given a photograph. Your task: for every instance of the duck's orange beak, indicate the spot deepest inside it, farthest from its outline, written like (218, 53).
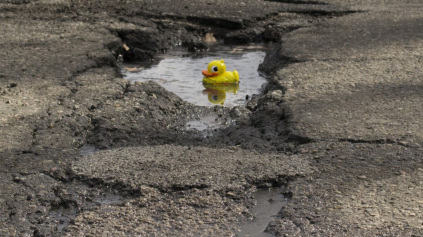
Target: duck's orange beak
(206, 73)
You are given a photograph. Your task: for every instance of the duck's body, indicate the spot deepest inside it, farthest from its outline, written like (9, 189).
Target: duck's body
(225, 78)
(216, 74)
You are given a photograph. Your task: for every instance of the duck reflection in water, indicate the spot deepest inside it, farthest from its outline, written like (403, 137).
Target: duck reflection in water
(216, 93)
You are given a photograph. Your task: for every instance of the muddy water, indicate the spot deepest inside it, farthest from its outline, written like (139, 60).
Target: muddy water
(180, 72)
(87, 150)
(207, 125)
(269, 203)
(62, 217)
(109, 198)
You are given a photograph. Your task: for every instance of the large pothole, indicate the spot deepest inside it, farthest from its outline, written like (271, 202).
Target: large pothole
(179, 71)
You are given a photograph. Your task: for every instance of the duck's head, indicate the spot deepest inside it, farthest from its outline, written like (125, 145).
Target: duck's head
(215, 68)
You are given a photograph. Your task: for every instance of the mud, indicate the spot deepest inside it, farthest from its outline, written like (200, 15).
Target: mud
(61, 89)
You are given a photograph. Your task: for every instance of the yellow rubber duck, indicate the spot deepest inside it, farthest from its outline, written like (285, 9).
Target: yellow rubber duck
(216, 74)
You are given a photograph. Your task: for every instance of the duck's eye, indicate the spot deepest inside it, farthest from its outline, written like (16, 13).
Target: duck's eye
(215, 97)
(214, 69)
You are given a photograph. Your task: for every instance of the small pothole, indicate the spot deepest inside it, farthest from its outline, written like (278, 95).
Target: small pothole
(268, 203)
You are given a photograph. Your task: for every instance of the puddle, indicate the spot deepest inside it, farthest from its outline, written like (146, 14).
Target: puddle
(62, 217)
(269, 203)
(180, 72)
(208, 124)
(87, 150)
(203, 123)
(109, 198)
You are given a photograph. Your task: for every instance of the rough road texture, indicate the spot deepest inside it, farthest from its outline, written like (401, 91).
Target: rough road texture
(338, 128)
(357, 86)
(202, 173)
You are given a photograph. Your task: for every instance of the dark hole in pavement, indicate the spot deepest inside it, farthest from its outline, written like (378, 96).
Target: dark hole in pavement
(268, 203)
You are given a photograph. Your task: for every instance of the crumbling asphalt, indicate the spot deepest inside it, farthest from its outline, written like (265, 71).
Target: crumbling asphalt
(338, 128)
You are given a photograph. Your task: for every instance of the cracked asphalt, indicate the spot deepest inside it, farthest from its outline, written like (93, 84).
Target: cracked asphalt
(337, 130)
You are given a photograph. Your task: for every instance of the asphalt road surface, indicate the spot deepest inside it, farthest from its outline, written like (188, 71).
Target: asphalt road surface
(338, 129)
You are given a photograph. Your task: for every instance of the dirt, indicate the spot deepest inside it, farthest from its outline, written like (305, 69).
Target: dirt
(61, 88)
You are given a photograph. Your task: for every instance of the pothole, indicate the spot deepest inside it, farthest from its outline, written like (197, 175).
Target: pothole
(269, 203)
(180, 72)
